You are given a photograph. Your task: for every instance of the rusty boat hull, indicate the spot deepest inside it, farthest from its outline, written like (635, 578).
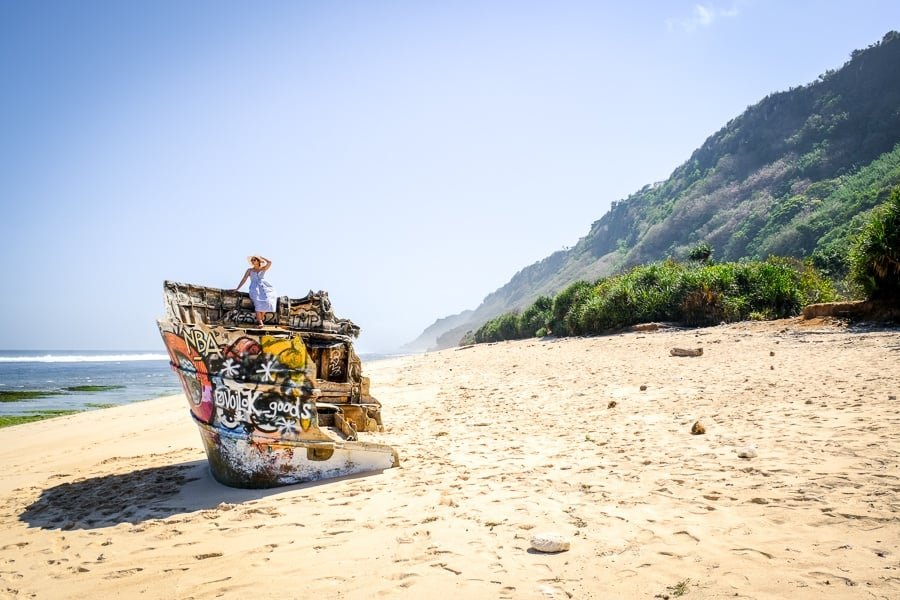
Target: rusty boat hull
(238, 460)
(277, 405)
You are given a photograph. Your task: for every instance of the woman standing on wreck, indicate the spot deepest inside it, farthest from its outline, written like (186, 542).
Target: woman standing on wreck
(261, 291)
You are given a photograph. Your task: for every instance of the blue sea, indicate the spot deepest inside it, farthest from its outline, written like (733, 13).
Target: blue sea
(142, 375)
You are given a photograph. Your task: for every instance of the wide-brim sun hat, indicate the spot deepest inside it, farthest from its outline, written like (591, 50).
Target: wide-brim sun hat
(252, 256)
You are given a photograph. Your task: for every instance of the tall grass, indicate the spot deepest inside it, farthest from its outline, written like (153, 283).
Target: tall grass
(701, 294)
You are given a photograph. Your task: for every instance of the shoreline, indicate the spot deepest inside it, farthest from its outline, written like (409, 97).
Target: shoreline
(590, 438)
(36, 383)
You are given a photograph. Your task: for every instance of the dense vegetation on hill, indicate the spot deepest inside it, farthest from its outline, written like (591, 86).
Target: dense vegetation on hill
(875, 255)
(796, 175)
(710, 293)
(668, 291)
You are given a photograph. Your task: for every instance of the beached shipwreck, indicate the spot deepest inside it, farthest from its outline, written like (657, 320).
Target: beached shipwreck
(278, 404)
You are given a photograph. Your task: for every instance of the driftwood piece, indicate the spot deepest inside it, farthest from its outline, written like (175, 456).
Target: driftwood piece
(686, 351)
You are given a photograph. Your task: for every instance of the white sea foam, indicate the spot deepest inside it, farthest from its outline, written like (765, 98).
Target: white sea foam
(70, 358)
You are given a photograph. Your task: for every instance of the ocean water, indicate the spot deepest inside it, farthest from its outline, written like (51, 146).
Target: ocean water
(141, 375)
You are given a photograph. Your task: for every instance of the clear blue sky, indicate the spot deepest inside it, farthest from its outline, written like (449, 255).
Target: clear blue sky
(407, 156)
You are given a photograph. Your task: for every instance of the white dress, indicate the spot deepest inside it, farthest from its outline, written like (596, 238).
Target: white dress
(261, 292)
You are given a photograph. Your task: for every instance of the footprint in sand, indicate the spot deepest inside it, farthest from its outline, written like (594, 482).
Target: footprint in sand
(168, 534)
(745, 550)
(693, 537)
(553, 592)
(405, 576)
(833, 578)
(123, 573)
(16, 545)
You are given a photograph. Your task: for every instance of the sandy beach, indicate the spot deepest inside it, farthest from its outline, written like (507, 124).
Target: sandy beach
(587, 438)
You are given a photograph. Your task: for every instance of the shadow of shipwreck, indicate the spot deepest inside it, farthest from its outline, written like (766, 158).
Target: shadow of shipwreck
(142, 495)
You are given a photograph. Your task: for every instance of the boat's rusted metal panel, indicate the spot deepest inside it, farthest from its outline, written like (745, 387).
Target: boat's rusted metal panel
(276, 405)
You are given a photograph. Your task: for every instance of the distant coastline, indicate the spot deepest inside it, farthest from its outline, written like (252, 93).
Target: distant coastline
(369, 357)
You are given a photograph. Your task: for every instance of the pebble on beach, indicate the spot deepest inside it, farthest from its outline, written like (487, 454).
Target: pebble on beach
(747, 452)
(698, 428)
(549, 542)
(686, 351)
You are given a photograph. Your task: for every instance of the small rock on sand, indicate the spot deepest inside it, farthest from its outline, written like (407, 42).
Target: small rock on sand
(549, 542)
(698, 428)
(686, 351)
(747, 452)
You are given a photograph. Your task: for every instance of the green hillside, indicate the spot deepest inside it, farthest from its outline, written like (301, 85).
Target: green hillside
(795, 175)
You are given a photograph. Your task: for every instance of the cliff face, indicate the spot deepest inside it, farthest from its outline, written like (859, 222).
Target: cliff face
(792, 176)
(429, 338)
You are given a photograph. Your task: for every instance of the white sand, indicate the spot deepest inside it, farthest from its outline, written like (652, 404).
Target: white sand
(500, 442)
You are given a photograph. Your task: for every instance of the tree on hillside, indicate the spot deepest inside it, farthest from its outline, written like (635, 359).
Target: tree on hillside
(702, 252)
(875, 255)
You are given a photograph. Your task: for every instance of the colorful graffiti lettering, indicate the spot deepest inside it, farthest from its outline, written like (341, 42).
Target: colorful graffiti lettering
(263, 382)
(202, 340)
(296, 410)
(234, 406)
(254, 391)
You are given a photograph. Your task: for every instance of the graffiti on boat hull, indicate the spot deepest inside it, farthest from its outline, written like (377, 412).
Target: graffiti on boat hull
(275, 405)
